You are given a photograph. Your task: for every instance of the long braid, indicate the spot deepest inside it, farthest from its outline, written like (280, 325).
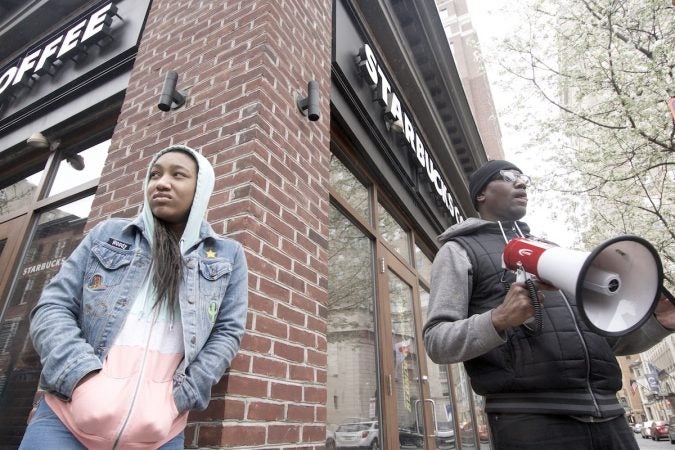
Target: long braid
(167, 266)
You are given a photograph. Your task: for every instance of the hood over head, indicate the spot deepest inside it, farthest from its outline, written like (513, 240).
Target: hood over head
(200, 202)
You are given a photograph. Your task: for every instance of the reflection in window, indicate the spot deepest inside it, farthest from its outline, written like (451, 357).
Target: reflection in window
(422, 264)
(406, 370)
(352, 358)
(481, 421)
(19, 194)
(349, 188)
(19, 364)
(77, 169)
(439, 391)
(463, 395)
(393, 233)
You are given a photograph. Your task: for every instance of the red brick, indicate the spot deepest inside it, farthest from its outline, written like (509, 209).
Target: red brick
(303, 337)
(269, 367)
(289, 352)
(259, 303)
(247, 386)
(314, 395)
(241, 362)
(274, 290)
(283, 434)
(300, 413)
(220, 409)
(313, 433)
(265, 411)
(301, 373)
(255, 343)
(304, 303)
(190, 435)
(277, 257)
(284, 391)
(292, 281)
(290, 315)
(231, 435)
(266, 325)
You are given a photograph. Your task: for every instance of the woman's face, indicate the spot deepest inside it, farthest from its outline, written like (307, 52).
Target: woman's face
(171, 188)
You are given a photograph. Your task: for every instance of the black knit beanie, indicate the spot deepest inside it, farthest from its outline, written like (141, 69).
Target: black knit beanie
(481, 177)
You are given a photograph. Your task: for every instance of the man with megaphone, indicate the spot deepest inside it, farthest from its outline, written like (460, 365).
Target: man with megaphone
(549, 377)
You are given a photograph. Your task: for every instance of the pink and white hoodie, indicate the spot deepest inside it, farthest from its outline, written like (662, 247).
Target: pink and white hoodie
(129, 403)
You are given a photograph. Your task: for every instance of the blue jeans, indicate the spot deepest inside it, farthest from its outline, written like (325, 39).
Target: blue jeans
(46, 431)
(553, 432)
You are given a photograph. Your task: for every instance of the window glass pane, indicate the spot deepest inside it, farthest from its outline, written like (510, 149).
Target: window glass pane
(463, 395)
(57, 234)
(406, 372)
(439, 390)
(422, 264)
(20, 194)
(349, 188)
(352, 416)
(85, 166)
(481, 421)
(394, 233)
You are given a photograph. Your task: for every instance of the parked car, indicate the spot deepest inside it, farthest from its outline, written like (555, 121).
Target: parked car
(645, 432)
(445, 435)
(659, 429)
(671, 429)
(637, 427)
(410, 438)
(361, 434)
(330, 440)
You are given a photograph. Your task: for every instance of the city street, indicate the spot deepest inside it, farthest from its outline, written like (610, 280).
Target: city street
(648, 444)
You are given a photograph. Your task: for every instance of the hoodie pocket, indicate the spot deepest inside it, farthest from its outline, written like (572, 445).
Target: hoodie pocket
(153, 415)
(99, 405)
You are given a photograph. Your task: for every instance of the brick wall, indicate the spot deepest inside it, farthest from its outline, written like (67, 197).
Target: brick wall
(241, 64)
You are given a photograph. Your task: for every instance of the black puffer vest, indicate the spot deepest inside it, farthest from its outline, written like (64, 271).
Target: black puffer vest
(566, 369)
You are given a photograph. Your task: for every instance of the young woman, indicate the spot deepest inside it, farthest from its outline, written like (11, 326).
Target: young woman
(142, 319)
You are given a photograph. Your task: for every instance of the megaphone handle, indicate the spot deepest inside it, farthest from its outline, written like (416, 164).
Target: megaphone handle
(522, 276)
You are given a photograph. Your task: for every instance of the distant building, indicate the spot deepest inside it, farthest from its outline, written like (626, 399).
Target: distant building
(463, 43)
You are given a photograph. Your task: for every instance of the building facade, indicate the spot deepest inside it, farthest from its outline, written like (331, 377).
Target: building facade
(338, 214)
(459, 29)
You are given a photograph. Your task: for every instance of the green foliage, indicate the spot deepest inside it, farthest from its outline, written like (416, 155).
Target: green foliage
(607, 67)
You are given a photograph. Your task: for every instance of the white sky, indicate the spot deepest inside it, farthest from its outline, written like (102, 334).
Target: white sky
(491, 26)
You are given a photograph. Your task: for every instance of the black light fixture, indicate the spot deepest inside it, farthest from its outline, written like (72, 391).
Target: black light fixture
(170, 97)
(309, 106)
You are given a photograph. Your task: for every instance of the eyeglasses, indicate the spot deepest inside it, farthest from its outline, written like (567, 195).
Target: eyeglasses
(510, 177)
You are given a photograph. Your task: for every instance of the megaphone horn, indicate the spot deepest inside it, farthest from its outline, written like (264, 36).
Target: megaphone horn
(617, 285)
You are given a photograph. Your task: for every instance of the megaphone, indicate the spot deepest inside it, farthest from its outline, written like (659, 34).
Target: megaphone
(617, 285)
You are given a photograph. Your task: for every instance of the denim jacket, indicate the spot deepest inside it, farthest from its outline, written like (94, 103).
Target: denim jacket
(77, 318)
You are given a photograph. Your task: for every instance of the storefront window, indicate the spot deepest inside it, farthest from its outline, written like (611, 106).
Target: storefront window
(18, 195)
(482, 422)
(394, 233)
(440, 392)
(406, 370)
(350, 189)
(463, 393)
(352, 354)
(422, 264)
(57, 234)
(76, 169)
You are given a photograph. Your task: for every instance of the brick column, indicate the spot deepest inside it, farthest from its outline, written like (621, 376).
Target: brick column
(240, 64)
